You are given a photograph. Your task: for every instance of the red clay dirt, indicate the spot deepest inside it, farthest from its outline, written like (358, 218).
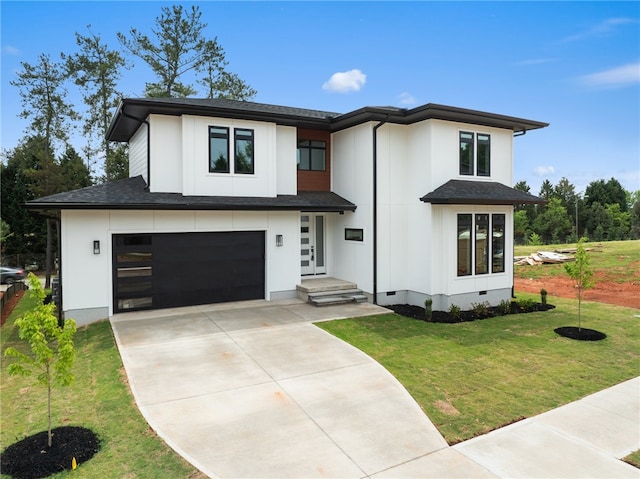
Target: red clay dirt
(622, 294)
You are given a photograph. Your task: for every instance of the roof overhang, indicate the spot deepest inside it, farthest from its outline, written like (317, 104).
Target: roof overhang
(131, 194)
(470, 192)
(132, 111)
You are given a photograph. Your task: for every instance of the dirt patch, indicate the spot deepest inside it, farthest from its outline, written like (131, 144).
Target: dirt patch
(610, 292)
(446, 407)
(7, 309)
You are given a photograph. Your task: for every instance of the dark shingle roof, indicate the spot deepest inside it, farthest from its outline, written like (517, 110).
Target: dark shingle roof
(468, 192)
(132, 111)
(131, 194)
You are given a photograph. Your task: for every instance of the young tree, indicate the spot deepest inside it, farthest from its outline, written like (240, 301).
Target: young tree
(96, 70)
(179, 47)
(581, 274)
(52, 351)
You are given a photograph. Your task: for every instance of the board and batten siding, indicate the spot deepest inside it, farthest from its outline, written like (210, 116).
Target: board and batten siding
(138, 153)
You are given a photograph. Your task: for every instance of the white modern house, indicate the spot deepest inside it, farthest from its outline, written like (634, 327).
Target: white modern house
(230, 201)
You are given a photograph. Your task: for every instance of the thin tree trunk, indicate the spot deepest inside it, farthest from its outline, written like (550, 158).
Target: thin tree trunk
(49, 437)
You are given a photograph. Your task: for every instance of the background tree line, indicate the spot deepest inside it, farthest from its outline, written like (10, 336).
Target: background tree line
(184, 61)
(604, 212)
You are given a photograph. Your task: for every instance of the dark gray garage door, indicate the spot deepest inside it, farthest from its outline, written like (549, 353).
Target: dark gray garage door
(166, 270)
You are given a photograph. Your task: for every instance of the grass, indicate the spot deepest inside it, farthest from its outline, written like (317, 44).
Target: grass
(633, 459)
(99, 399)
(471, 378)
(617, 261)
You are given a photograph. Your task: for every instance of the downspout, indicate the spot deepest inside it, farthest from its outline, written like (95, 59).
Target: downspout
(375, 209)
(513, 252)
(126, 115)
(60, 307)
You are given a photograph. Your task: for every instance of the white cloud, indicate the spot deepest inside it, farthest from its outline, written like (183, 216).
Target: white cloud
(620, 76)
(544, 170)
(406, 98)
(603, 28)
(9, 50)
(344, 82)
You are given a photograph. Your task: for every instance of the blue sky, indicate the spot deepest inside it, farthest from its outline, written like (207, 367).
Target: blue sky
(575, 65)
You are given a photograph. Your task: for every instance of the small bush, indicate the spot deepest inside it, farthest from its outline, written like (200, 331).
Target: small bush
(455, 311)
(527, 305)
(543, 296)
(481, 309)
(428, 311)
(504, 307)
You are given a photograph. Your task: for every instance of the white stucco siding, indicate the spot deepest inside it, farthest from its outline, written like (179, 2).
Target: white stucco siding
(196, 178)
(286, 161)
(87, 277)
(445, 152)
(138, 153)
(352, 178)
(166, 154)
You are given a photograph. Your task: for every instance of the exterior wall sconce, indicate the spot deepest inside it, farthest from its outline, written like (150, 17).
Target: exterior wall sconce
(96, 247)
(279, 240)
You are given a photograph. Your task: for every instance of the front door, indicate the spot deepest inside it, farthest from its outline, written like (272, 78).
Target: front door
(312, 244)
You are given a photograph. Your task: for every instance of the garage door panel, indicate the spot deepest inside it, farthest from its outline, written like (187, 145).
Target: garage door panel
(191, 268)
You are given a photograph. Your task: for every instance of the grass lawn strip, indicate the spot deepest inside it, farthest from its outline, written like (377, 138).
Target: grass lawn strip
(98, 399)
(471, 378)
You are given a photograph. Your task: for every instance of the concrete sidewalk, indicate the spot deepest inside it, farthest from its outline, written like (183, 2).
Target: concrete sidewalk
(253, 389)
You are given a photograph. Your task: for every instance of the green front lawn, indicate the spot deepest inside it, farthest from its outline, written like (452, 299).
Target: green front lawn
(470, 378)
(99, 400)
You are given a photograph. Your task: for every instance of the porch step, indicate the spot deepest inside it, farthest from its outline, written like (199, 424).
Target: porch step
(328, 298)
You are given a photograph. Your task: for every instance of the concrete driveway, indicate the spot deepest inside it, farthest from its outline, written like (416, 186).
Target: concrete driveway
(253, 389)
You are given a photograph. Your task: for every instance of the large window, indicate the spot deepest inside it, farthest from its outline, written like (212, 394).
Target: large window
(244, 151)
(480, 237)
(218, 149)
(312, 155)
(475, 154)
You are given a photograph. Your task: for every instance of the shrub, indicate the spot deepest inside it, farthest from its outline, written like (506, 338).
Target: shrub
(504, 307)
(481, 309)
(455, 311)
(543, 296)
(527, 305)
(428, 312)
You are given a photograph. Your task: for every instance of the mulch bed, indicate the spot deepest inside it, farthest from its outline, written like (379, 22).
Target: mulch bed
(7, 309)
(30, 458)
(581, 334)
(417, 312)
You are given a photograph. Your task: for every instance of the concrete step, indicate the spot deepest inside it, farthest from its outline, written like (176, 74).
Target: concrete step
(337, 297)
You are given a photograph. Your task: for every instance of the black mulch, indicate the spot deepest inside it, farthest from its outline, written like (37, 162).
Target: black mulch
(31, 458)
(581, 334)
(417, 312)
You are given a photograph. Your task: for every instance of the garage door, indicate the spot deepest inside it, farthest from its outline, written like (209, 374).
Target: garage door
(170, 270)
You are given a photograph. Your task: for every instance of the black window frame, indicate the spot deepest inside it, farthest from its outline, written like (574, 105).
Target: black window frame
(354, 234)
(240, 135)
(493, 256)
(467, 170)
(219, 135)
(310, 147)
(485, 143)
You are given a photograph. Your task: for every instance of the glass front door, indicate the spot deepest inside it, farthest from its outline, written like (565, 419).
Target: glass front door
(312, 244)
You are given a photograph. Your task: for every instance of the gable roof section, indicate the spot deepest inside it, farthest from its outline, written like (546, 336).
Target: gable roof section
(132, 111)
(463, 192)
(131, 194)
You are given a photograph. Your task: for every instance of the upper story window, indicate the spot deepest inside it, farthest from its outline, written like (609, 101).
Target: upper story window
(219, 150)
(312, 155)
(475, 154)
(244, 151)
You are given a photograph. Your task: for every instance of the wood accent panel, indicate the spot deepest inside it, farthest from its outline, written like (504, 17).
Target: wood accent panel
(315, 180)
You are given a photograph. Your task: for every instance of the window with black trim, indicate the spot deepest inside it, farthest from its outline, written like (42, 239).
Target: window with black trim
(475, 154)
(481, 237)
(354, 234)
(218, 149)
(243, 151)
(312, 155)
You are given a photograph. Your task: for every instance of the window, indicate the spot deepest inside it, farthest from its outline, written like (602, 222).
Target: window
(218, 149)
(480, 237)
(243, 151)
(464, 245)
(312, 155)
(484, 155)
(466, 153)
(475, 154)
(354, 234)
(497, 244)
